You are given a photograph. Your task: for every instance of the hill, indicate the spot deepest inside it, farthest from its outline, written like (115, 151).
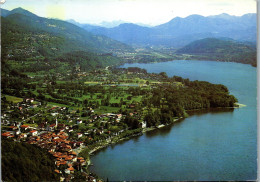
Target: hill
(25, 162)
(27, 37)
(73, 34)
(181, 31)
(221, 50)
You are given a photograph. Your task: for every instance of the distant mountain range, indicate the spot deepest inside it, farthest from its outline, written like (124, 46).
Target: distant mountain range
(103, 24)
(176, 33)
(26, 36)
(111, 24)
(181, 31)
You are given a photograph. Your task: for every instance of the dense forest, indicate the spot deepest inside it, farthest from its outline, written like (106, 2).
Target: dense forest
(87, 61)
(25, 162)
(194, 95)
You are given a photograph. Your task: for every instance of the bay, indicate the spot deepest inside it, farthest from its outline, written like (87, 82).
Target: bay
(208, 145)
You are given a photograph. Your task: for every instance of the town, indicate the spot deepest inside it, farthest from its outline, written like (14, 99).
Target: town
(63, 141)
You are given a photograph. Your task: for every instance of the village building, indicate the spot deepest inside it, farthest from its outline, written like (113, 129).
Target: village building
(34, 132)
(79, 135)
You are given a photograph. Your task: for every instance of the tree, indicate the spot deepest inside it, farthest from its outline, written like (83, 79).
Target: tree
(163, 74)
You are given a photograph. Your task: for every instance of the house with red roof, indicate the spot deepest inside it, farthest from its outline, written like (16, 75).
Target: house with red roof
(34, 132)
(25, 127)
(6, 134)
(57, 171)
(13, 128)
(23, 135)
(69, 170)
(52, 127)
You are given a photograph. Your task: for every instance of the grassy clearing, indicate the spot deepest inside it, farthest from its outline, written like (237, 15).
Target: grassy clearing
(107, 109)
(5, 127)
(61, 82)
(13, 99)
(32, 125)
(89, 82)
(36, 74)
(56, 104)
(137, 98)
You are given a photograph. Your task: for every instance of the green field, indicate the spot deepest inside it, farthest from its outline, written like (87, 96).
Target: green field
(13, 99)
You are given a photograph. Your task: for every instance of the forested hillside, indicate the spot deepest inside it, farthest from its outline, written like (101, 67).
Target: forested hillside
(85, 61)
(27, 37)
(25, 162)
(221, 50)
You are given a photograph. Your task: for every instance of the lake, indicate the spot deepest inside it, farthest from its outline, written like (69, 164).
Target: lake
(208, 145)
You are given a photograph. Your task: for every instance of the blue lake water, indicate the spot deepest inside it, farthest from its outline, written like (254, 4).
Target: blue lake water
(212, 145)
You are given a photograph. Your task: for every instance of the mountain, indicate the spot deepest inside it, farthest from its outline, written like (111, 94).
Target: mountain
(22, 11)
(4, 12)
(38, 42)
(78, 37)
(103, 24)
(127, 33)
(223, 16)
(222, 25)
(87, 27)
(22, 29)
(181, 31)
(74, 22)
(116, 23)
(221, 50)
(111, 24)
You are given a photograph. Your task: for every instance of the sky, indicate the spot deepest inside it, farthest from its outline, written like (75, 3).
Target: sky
(149, 12)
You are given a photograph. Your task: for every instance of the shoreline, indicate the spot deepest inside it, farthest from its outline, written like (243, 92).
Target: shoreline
(96, 149)
(185, 59)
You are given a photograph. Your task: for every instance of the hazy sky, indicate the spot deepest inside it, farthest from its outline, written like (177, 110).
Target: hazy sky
(151, 12)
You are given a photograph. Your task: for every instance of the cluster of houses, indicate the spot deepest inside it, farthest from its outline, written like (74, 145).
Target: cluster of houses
(55, 137)
(61, 148)
(57, 143)
(21, 108)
